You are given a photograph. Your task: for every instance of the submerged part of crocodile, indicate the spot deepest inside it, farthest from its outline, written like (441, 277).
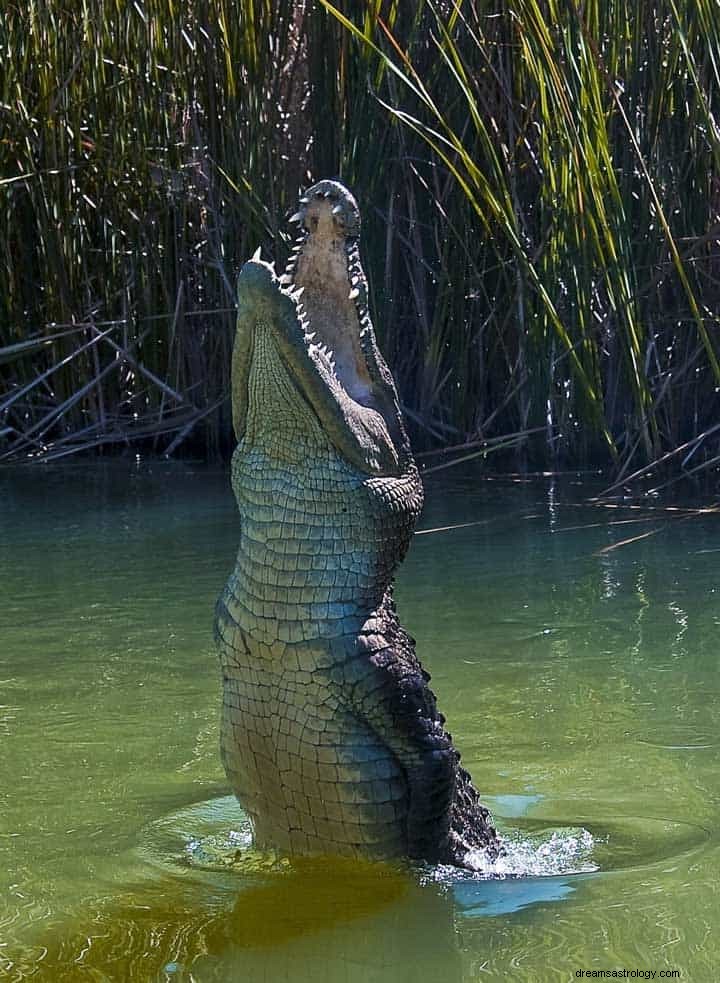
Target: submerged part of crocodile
(331, 737)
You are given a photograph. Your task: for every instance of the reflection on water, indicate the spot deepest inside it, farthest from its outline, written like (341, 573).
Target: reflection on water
(492, 898)
(580, 681)
(317, 920)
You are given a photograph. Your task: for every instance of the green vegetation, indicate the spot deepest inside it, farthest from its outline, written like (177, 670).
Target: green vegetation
(541, 186)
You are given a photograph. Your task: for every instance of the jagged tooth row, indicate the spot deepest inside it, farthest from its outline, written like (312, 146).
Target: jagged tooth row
(321, 351)
(287, 282)
(287, 279)
(358, 287)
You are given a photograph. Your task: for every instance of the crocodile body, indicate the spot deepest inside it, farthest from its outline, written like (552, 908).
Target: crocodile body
(331, 738)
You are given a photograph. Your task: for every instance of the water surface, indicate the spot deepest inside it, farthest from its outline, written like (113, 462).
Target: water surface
(580, 681)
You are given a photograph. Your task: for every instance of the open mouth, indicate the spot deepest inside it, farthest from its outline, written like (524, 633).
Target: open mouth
(326, 280)
(317, 314)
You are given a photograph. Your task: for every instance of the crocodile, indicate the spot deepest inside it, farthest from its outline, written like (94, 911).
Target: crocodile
(330, 735)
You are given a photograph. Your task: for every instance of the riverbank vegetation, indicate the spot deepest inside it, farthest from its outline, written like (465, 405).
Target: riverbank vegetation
(540, 182)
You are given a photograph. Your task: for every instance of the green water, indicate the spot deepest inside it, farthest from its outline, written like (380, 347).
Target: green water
(582, 687)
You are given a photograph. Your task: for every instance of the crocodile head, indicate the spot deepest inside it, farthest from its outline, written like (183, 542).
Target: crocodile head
(308, 333)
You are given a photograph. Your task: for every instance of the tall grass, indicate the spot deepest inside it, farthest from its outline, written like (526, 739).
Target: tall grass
(570, 221)
(140, 163)
(540, 184)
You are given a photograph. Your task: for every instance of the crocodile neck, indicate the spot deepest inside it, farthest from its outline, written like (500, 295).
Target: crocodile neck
(315, 555)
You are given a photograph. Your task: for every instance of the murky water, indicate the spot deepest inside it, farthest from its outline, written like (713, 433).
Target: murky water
(581, 683)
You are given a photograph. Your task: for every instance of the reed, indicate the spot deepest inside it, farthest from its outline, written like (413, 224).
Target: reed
(146, 150)
(541, 185)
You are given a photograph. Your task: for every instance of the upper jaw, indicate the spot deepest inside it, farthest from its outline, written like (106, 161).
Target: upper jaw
(325, 266)
(317, 313)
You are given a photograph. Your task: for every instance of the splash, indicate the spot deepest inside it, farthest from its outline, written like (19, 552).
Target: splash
(552, 853)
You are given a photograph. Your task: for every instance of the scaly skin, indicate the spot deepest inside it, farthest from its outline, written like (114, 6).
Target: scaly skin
(331, 737)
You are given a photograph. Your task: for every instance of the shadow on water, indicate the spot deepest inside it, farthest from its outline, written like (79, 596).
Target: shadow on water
(320, 921)
(323, 920)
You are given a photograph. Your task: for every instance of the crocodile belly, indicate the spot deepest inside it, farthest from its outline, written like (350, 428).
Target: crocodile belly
(312, 776)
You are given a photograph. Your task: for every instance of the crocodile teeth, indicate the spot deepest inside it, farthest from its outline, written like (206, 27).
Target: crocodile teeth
(337, 209)
(286, 280)
(309, 336)
(256, 254)
(304, 200)
(297, 217)
(353, 293)
(298, 293)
